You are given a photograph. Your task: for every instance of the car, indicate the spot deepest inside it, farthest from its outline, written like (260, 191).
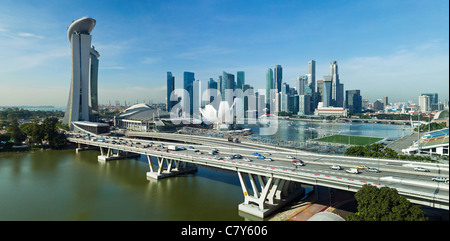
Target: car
(268, 159)
(362, 167)
(336, 167)
(421, 169)
(261, 157)
(290, 157)
(439, 179)
(373, 169)
(237, 156)
(298, 163)
(353, 170)
(182, 148)
(247, 159)
(191, 147)
(255, 153)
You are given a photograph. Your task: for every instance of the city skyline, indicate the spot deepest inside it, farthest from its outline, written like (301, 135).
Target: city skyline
(408, 50)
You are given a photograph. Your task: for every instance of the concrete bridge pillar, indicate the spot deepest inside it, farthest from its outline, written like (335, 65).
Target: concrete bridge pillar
(265, 194)
(107, 154)
(166, 167)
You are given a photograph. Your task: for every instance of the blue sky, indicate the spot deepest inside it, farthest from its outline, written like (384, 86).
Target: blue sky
(388, 48)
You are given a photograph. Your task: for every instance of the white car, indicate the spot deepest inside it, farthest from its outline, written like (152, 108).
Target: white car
(247, 159)
(421, 169)
(335, 167)
(268, 159)
(439, 179)
(290, 157)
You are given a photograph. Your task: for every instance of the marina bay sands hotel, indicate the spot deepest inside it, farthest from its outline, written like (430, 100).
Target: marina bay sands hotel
(82, 105)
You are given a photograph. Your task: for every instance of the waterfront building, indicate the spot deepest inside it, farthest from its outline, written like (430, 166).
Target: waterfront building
(353, 101)
(170, 89)
(304, 104)
(144, 118)
(330, 111)
(83, 96)
(294, 104)
(284, 98)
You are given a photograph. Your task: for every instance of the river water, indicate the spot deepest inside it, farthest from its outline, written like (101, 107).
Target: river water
(63, 185)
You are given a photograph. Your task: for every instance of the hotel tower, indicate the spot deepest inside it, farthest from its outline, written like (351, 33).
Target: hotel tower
(83, 103)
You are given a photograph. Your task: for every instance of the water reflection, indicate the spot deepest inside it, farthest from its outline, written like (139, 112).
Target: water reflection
(63, 185)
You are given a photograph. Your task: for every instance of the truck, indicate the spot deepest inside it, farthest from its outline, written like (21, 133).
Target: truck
(172, 148)
(352, 170)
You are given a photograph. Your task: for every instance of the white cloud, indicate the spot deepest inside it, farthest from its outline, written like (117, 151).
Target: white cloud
(150, 60)
(30, 35)
(401, 76)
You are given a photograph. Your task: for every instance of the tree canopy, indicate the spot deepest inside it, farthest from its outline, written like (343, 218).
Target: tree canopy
(384, 204)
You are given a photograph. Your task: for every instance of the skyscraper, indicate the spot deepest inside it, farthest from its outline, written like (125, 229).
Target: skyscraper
(170, 89)
(240, 79)
(424, 103)
(337, 89)
(433, 100)
(229, 86)
(269, 86)
(94, 84)
(188, 81)
(302, 80)
(385, 101)
(327, 87)
(353, 101)
(312, 72)
(83, 97)
(278, 77)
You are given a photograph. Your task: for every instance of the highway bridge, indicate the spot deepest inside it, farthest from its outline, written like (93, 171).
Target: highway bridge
(269, 184)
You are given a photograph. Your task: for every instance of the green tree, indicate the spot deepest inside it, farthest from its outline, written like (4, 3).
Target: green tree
(54, 138)
(384, 204)
(37, 133)
(389, 153)
(16, 133)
